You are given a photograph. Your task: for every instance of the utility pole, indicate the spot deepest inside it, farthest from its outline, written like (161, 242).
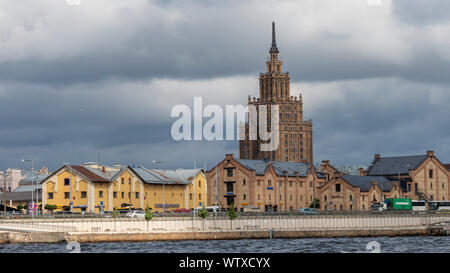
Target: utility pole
(164, 190)
(32, 191)
(4, 194)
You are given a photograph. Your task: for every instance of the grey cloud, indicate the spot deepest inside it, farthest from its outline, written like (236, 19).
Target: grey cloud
(418, 12)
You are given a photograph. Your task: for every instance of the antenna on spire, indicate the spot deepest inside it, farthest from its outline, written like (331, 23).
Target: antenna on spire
(274, 40)
(274, 48)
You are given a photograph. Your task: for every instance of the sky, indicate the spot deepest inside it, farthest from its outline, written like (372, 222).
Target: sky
(96, 80)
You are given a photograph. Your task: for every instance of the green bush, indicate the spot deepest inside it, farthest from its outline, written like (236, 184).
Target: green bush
(203, 213)
(50, 207)
(148, 214)
(231, 213)
(315, 204)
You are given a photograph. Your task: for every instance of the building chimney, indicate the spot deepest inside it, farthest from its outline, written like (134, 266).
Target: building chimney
(361, 171)
(337, 174)
(430, 153)
(377, 156)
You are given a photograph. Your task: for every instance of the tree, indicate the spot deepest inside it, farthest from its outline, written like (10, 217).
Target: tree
(115, 213)
(231, 214)
(50, 207)
(315, 204)
(148, 215)
(203, 213)
(19, 207)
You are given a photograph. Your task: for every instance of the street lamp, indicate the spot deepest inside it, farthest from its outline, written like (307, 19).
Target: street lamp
(32, 191)
(4, 194)
(164, 192)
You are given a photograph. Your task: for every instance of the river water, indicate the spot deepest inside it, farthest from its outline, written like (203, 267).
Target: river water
(304, 245)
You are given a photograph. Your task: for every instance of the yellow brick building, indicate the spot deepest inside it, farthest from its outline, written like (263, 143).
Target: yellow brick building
(98, 187)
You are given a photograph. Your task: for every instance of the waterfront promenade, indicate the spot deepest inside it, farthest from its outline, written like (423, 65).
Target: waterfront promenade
(186, 228)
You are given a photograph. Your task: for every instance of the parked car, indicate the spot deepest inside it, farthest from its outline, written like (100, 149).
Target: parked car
(377, 207)
(135, 214)
(307, 211)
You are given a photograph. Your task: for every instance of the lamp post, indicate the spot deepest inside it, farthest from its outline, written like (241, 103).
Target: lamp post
(164, 191)
(4, 194)
(32, 191)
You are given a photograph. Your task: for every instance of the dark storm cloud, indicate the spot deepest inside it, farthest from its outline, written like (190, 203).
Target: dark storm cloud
(199, 40)
(99, 80)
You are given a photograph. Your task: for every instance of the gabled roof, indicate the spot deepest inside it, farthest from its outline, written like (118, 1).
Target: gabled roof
(395, 165)
(365, 182)
(90, 173)
(159, 176)
(260, 167)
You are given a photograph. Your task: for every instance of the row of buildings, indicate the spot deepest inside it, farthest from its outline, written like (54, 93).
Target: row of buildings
(287, 186)
(261, 185)
(280, 180)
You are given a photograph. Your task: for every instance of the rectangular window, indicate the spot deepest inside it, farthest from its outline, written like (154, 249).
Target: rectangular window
(129, 181)
(199, 184)
(66, 181)
(338, 187)
(230, 187)
(243, 182)
(115, 194)
(122, 180)
(66, 195)
(258, 183)
(50, 195)
(229, 172)
(83, 194)
(100, 194)
(269, 183)
(190, 196)
(123, 195)
(137, 195)
(430, 173)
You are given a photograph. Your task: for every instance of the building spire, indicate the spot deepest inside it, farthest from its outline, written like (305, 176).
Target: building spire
(274, 48)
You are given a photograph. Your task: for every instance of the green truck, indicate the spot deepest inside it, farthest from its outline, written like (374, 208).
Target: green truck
(397, 204)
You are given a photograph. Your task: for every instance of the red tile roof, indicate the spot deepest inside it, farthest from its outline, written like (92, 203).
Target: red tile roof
(92, 176)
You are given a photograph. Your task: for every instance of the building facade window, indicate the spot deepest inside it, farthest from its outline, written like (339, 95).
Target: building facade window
(338, 187)
(83, 194)
(229, 172)
(430, 173)
(100, 194)
(50, 195)
(66, 181)
(66, 195)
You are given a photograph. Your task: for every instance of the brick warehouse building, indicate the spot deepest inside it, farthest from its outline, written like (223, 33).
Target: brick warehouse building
(269, 186)
(295, 134)
(419, 177)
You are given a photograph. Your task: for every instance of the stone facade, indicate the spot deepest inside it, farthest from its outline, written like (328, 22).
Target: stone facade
(295, 134)
(420, 177)
(262, 185)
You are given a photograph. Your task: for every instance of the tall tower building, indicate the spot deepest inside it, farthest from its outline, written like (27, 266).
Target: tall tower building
(295, 134)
